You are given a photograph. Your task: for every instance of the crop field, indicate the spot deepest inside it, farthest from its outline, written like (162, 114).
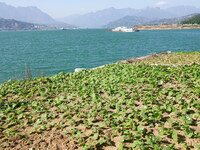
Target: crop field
(117, 107)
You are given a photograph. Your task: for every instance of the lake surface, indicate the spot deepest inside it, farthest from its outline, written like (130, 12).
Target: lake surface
(51, 52)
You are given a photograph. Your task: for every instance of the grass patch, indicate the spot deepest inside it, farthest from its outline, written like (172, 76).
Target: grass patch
(120, 106)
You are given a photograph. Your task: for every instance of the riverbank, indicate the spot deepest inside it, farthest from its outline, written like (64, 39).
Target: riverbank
(120, 106)
(167, 27)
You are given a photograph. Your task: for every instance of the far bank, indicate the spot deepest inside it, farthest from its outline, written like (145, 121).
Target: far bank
(168, 27)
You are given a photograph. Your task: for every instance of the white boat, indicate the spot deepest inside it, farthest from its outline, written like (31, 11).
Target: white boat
(122, 29)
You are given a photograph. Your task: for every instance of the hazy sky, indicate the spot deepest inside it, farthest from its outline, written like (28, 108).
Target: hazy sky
(61, 8)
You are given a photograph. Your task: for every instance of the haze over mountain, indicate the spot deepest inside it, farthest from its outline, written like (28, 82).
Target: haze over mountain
(179, 11)
(27, 14)
(105, 16)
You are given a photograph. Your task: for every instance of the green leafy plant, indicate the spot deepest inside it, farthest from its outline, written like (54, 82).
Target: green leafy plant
(141, 106)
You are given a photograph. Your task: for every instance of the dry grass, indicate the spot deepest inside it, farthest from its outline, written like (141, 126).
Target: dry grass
(181, 58)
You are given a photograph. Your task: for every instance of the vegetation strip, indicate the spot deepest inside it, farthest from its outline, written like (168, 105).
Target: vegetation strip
(120, 106)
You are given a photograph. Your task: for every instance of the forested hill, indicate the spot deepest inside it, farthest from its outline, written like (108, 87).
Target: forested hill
(11, 24)
(193, 20)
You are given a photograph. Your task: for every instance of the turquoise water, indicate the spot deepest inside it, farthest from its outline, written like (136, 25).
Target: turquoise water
(51, 52)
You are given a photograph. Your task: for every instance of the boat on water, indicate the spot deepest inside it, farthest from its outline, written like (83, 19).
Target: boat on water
(123, 29)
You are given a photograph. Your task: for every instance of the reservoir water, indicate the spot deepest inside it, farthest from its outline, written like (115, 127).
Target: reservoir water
(51, 52)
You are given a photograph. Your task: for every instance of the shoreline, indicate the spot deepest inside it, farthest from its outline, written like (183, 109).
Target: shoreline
(137, 59)
(168, 27)
(130, 60)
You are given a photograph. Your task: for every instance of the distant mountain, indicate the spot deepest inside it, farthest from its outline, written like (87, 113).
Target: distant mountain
(176, 20)
(11, 24)
(130, 21)
(106, 16)
(97, 19)
(192, 20)
(27, 14)
(127, 21)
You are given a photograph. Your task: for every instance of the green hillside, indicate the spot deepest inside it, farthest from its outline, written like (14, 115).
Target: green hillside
(193, 20)
(120, 106)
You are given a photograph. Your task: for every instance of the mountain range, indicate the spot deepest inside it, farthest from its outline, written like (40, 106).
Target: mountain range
(109, 17)
(104, 17)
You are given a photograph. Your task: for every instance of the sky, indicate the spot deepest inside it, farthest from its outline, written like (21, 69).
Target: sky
(62, 8)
